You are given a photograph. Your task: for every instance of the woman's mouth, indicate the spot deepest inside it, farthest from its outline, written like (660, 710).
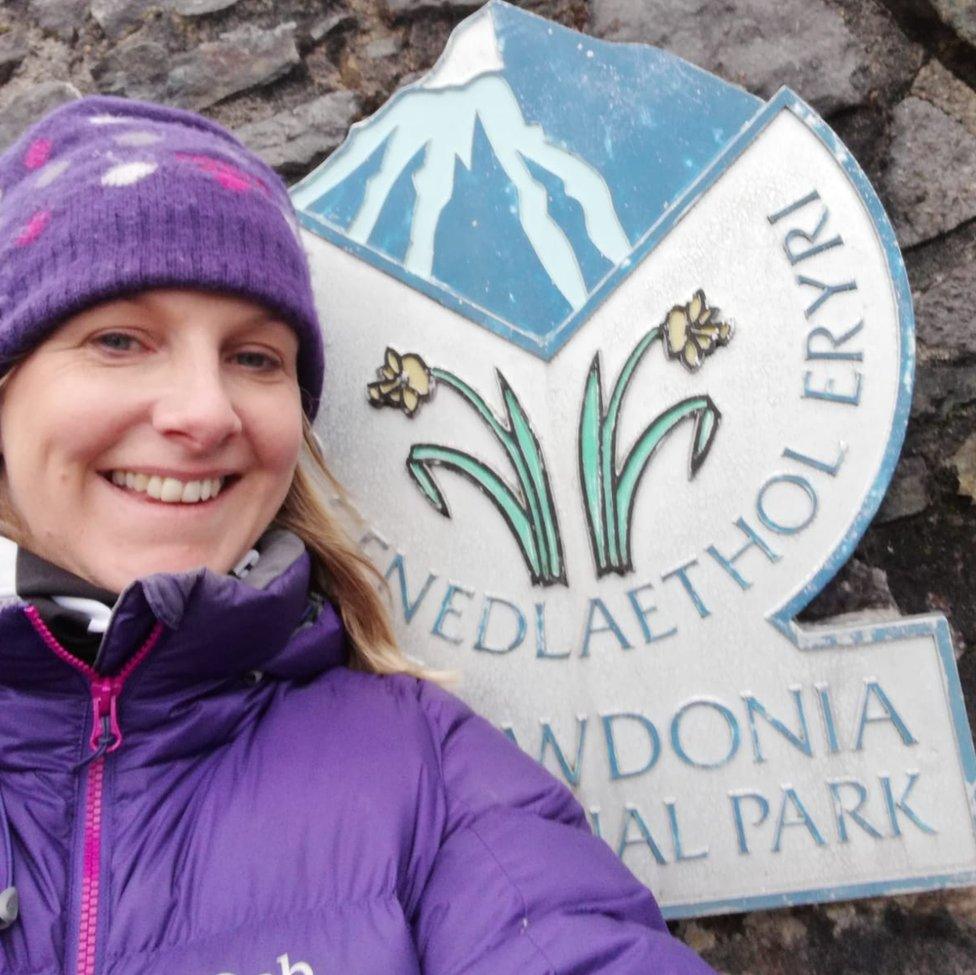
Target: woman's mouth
(170, 490)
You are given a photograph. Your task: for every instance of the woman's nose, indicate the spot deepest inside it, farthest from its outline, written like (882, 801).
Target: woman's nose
(197, 407)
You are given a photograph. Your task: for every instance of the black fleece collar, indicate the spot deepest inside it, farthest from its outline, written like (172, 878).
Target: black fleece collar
(40, 581)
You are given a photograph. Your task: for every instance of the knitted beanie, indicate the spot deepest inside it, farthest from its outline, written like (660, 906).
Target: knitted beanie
(106, 196)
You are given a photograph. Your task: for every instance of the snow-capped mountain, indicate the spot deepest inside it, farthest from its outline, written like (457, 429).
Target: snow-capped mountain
(522, 169)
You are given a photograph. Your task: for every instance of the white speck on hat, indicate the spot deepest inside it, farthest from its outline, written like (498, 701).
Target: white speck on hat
(126, 174)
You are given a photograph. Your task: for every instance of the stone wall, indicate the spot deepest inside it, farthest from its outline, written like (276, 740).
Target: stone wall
(895, 78)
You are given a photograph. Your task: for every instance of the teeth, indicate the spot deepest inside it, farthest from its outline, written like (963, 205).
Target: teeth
(169, 489)
(172, 490)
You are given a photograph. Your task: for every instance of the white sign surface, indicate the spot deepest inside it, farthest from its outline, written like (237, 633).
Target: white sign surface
(602, 486)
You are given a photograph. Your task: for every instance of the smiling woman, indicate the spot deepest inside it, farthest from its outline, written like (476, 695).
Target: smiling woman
(156, 433)
(214, 757)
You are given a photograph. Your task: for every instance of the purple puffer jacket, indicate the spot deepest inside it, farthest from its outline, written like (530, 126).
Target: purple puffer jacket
(255, 808)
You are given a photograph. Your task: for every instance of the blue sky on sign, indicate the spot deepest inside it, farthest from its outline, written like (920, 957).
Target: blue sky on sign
(511, 189)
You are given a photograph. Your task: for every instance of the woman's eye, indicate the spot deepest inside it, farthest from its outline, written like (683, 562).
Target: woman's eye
(116, 341)
(259, 361)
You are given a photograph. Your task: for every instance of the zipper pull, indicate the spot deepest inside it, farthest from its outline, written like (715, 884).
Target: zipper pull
(106, 735)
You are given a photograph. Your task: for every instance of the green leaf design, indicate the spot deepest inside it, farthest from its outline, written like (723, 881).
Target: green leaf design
(609, 489)
(591, 475)
(423, 456)
(531, 514)
(505, 438)
(608, 442)
(706, 417)
(536, 484)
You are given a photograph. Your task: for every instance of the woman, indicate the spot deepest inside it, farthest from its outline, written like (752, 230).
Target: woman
(214, 760)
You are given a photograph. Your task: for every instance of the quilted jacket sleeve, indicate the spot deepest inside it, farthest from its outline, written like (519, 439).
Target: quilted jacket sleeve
(520, 885)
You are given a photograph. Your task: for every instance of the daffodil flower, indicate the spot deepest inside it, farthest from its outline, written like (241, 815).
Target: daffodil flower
(403, 382)
(692, 332)
(528, 509)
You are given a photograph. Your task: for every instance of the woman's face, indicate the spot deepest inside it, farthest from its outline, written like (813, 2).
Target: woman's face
(165, 391)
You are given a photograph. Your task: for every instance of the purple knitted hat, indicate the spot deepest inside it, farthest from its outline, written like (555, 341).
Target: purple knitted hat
(105, 196)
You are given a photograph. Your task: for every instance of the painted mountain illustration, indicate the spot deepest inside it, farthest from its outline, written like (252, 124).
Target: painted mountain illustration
(516, 177)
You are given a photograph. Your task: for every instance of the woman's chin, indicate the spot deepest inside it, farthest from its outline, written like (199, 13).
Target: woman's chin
(119, 574)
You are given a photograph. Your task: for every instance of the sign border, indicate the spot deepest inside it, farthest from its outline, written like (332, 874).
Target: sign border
(810, 639)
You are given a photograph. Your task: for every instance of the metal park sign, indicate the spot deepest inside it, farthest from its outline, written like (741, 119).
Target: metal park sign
(621, 362)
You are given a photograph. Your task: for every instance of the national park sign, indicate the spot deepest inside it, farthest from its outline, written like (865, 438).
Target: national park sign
(619, 366)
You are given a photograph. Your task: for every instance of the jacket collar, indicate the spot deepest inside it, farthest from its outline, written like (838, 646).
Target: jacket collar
(36, 576)
(215, 627)
(76, 610)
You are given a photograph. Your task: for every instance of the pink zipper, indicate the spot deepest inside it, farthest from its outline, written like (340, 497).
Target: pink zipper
(91, 868)
(106, 737)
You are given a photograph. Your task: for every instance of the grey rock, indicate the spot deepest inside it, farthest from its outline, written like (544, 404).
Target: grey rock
(29, 106)
(940, 389)
(930, 183)
(893, 59)
(243, 58)
(936, 84)
(409, 78)
(760, 45)
(325, 26)
(908, 493)
(964, 462)
(323, 73)
(120, 17)
(138, 67)
(62, 18)
(960, 16)
(402, 8)
(383, 47)
(13, 50)
(858, 586)
(292, 140)
(922, 934)
(944, 314)
(197, 8)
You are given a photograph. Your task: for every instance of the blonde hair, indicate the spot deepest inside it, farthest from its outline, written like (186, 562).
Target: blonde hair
(340, 571)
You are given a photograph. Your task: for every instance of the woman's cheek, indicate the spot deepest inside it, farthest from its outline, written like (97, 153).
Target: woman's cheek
(278, 435)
